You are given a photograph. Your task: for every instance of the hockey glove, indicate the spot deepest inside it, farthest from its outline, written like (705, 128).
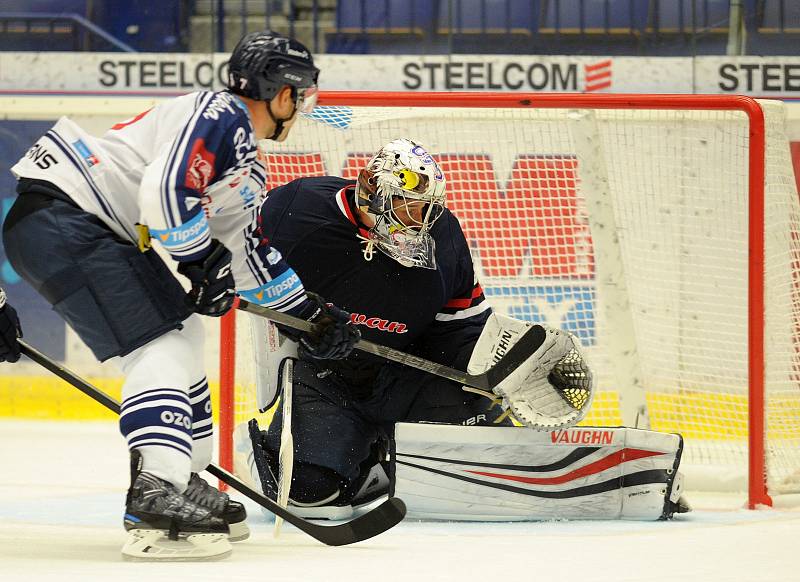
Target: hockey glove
(213, 287)
(334, 337)
(10, 331)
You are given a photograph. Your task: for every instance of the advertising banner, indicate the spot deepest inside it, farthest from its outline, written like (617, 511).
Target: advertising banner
(757, 76)
(151, 74)
(171, 74)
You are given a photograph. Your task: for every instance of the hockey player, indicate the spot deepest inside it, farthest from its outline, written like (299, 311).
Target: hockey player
(188, 174)
(10, 331)
(387, 250)
(397, 259)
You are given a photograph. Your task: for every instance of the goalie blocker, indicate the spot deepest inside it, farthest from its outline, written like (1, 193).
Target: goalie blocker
(512, 474)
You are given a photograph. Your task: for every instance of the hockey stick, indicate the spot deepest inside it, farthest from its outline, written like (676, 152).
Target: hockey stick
(378, 520)
(527, 344)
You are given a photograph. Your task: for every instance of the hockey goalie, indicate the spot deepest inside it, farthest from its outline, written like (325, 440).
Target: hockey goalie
(393, 262)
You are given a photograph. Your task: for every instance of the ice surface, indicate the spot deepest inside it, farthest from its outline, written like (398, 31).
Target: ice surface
(62, 494)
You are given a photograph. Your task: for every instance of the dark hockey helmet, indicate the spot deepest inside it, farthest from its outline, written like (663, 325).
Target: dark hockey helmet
(264, 62)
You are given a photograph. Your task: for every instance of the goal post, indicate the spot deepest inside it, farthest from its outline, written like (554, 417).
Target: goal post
(664, 230)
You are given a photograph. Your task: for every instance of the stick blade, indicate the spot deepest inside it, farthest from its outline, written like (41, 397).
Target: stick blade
(376, 521)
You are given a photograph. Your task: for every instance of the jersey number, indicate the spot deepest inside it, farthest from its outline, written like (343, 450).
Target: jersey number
(41, 157)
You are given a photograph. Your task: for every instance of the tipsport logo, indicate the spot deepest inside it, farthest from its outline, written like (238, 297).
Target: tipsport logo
(280, 287)
(188, 232)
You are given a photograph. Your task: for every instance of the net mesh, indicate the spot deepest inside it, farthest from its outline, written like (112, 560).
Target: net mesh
(628, 228)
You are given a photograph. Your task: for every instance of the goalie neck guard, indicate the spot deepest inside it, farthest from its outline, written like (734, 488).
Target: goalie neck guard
(395, 181)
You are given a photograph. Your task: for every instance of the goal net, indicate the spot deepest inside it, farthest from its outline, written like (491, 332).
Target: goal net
(662, 230)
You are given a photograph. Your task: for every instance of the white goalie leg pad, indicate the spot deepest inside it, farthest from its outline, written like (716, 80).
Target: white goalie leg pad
(470, 473)
(270, 349)
(147, 545)
(552, 389)
(286, 452)
(243, 463)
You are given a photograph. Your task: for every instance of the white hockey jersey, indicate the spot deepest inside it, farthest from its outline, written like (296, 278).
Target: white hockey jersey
(190, 170)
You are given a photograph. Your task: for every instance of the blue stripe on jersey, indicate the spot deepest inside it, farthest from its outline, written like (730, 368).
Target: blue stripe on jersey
(186, 239)
(160, 439)
(216, 141)
(202, 423)
(98, 194)
(168, 208)
(251, 245)
(198, 386)
(289, 304)
(150, 396)
(260, 178)
(281, 288)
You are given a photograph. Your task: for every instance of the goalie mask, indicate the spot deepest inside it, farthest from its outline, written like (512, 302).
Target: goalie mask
(402, 188)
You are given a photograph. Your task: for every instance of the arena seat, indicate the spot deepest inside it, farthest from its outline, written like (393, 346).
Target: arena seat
(675, 16)
(594, 16)
(384, 16)
(51, 6)
(31, 34)
(489, 17)
(779, 16)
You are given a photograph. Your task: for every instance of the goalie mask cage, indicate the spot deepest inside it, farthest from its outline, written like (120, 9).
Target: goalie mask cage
(663, 230)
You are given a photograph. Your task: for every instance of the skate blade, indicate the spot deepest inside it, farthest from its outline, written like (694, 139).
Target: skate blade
(147, 545)
(238, 531)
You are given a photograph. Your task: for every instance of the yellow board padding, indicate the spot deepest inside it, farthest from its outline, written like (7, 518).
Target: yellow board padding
(50, 398)
(263, 418)
(718, 416)
(604, 411)
(694, 414)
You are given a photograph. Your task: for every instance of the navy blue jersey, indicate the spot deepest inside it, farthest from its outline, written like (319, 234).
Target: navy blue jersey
(434, 313)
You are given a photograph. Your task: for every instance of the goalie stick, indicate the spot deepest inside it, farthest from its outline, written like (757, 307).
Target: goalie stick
(374, 522)
(526, 345)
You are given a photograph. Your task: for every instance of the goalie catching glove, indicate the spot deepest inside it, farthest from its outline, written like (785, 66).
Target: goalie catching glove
(552, 389)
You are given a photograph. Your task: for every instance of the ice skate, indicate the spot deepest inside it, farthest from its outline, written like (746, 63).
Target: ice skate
(220, 505)
(164, 524)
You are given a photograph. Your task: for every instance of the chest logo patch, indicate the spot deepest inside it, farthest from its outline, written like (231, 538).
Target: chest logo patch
(200, 169)
(378, 323)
